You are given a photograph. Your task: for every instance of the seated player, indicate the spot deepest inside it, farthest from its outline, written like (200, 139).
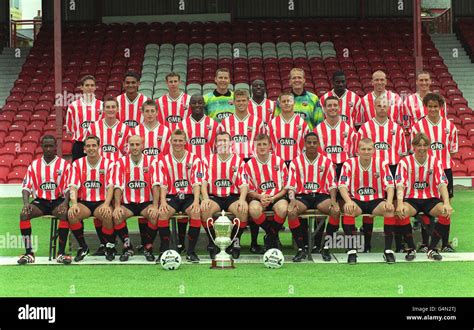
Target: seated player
(267, 175)
(91, 192)
(179, 176)
(46, 180)
(224, 188)
(312, 185)
(421, 182)
(133, 194)
(363, 183)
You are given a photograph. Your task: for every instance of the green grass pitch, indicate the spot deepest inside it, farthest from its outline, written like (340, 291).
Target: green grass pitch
(450, 279)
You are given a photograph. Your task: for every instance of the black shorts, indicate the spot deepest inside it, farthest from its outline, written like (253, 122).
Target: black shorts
(47, 206)
(270, 206)
(180, 205)
(393, 170)
(312, 200)
(368, 207)
(91, 205)
(137, 208)
(423, 205)
(224, 202)
(78, 150)
(449, 175)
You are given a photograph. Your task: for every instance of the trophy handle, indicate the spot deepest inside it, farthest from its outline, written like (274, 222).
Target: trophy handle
(237, 232)
(207, 224)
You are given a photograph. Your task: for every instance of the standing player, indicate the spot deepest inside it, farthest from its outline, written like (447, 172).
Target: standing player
(219, 104)
(444, 143)
(306, 104)
(363, 183)
(91, 191)
(180, 176)
(420, 183)
(134, 194)
(131, 101)
(267, 175)
(173, 106)
(390, 146)
(201, 129)
(312, 185)
(81, 114)
(287, 131)
(349, 102)
(379, 81)
(259, 106)
(242, 126)
(46, 180)
(111, 132)
(224, 188)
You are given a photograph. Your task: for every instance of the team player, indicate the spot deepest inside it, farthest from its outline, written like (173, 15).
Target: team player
(242, 126)
(349, 102)
(390, 146)
(134, 194)
(219, 104)
(312, 185)
(81, 114)
(287, 130)
(224, 188)
(112, 133)
(306, 104)
(379, 81)
(443, 135)
(46, 180)
(363, 184)
(179, 176)
(267, 175)
(201, 129)
(259, 105)
(421, 182)
(173, 107)
(131, 101)
(91, 192)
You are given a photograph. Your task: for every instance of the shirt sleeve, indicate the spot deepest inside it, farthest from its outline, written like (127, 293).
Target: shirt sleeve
(242, 180)
(439, 175)
(28, 179)
(74, 179)
(292, 181)
(401, 174)
(331, 182)
(346, 174)
(247, 176)
(453, 141)
(196, 178)
(119, 180)
(69, 118)
(387, 176)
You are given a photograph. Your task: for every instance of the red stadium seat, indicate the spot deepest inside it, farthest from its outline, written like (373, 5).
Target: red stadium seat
(16, 175)
(460, 170)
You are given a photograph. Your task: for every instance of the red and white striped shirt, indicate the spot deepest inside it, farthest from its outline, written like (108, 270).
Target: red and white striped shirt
(395, 107)
(366, 184)
(90, 181)
(135, 179)
(264, 110)
(287, 136)
(224, 177)
(113, 139)
(421, 181)
(414, 110)
(443, 136)
(179, 175)
(389, 140)
(318, 176)
(155, 140)
(171, 112)
(47, 181)
(268, 177)
(130, 111)
(349, 105)
(336, 142)
(80, 115)
(201, 135)
(243, 133)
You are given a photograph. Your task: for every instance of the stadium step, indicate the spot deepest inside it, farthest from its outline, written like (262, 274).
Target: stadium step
(10, 67)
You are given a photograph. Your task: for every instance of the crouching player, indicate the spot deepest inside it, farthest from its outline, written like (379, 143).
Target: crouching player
(363, 182)
(420, 182)
(312, 185)
(91, 192)
(134, 195)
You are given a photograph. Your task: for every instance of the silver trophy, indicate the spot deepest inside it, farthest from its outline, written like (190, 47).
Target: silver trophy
(223, 228)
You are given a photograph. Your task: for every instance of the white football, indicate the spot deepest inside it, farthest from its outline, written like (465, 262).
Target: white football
(170, 260)
(273, 258)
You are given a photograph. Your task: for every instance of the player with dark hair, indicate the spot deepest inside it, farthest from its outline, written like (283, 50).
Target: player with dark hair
(219, 104)
(259, 105)
(46, 180)
(173, 107)
(131, 101)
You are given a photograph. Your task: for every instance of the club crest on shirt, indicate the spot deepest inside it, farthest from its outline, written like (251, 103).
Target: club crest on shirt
(159, 138)
(276, 168)
(321, 168)
(250, 128)
(299, 127)
(446, 130)
(101, 171)
(59, 172)
(393, 132)
(351, 104)
(344, 134)
(209, 127)
(430, 172)
(145, 169)
(120, 134)
(189, 165)
(234, 168)
(377, 175)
